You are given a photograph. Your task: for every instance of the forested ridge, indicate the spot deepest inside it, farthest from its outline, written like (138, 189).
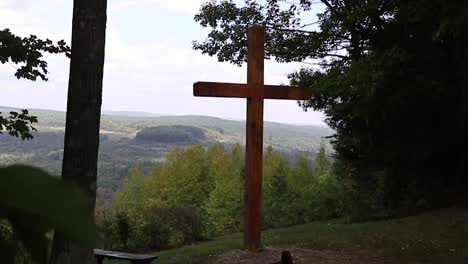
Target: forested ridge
(171, 134)
(121, 148)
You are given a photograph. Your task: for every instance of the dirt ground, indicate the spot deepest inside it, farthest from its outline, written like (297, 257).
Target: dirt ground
(299, 254)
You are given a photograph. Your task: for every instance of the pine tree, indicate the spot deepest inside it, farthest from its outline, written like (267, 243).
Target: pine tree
(322, 164)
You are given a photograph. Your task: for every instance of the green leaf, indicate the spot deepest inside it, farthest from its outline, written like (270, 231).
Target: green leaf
(32, 236)
(31, 194)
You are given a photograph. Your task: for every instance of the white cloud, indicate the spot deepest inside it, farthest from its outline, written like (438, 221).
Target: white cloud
(188, 7)
(184, 7)
(154, 76)
(120, 5)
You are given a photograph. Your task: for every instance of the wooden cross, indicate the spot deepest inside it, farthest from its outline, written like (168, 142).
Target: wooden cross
(255, 91)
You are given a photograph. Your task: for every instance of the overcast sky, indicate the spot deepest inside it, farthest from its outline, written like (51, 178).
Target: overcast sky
(149, 63)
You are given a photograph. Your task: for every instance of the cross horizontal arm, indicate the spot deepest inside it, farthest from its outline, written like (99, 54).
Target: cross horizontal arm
(237, 90)
(211, 89)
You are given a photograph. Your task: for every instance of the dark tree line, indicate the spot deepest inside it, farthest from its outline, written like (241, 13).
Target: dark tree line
(171, 134)
(391, 77)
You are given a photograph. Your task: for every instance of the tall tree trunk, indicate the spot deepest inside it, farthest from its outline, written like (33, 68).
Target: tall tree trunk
(83, 114)
(463, 164)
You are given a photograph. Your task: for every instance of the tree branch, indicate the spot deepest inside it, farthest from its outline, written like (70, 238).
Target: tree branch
(332, 8)
(306, 54)
(308, 32)
(310, 24)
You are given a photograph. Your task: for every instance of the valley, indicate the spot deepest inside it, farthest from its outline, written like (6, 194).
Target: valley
(129, 138)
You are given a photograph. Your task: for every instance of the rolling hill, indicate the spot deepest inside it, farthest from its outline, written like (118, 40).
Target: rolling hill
(128, 139)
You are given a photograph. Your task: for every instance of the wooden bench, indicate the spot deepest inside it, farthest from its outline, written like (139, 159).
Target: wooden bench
(100, 255)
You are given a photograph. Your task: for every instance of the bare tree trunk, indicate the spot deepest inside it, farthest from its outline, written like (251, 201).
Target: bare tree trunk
(83, 114)
(463, 171)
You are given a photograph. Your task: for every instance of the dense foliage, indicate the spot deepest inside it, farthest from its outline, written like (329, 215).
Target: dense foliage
(171, 134)
(28, 50)
(198, 193)
(18, 124)
(32, 204)
(390, 77)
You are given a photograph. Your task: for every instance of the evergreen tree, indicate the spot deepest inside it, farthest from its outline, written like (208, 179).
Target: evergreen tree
(238, 155)
(300, 180)
(322, 164)
(277, 196)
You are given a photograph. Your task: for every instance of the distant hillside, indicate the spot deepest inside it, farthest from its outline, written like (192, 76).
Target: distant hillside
(281, 136)
(3, 108)
(130, 113)
(172, 134)
(128, 140)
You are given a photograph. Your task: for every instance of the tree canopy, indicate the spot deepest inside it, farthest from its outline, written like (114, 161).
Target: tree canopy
(27, 51)
(390, 76)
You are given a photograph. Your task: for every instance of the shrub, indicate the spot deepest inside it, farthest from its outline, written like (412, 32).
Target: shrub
(152, 228)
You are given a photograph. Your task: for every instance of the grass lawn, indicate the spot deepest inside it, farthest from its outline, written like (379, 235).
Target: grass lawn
(435, 237)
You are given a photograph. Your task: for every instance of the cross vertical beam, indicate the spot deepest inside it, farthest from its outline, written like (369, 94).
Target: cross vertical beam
(254, 139)
(255, 91)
